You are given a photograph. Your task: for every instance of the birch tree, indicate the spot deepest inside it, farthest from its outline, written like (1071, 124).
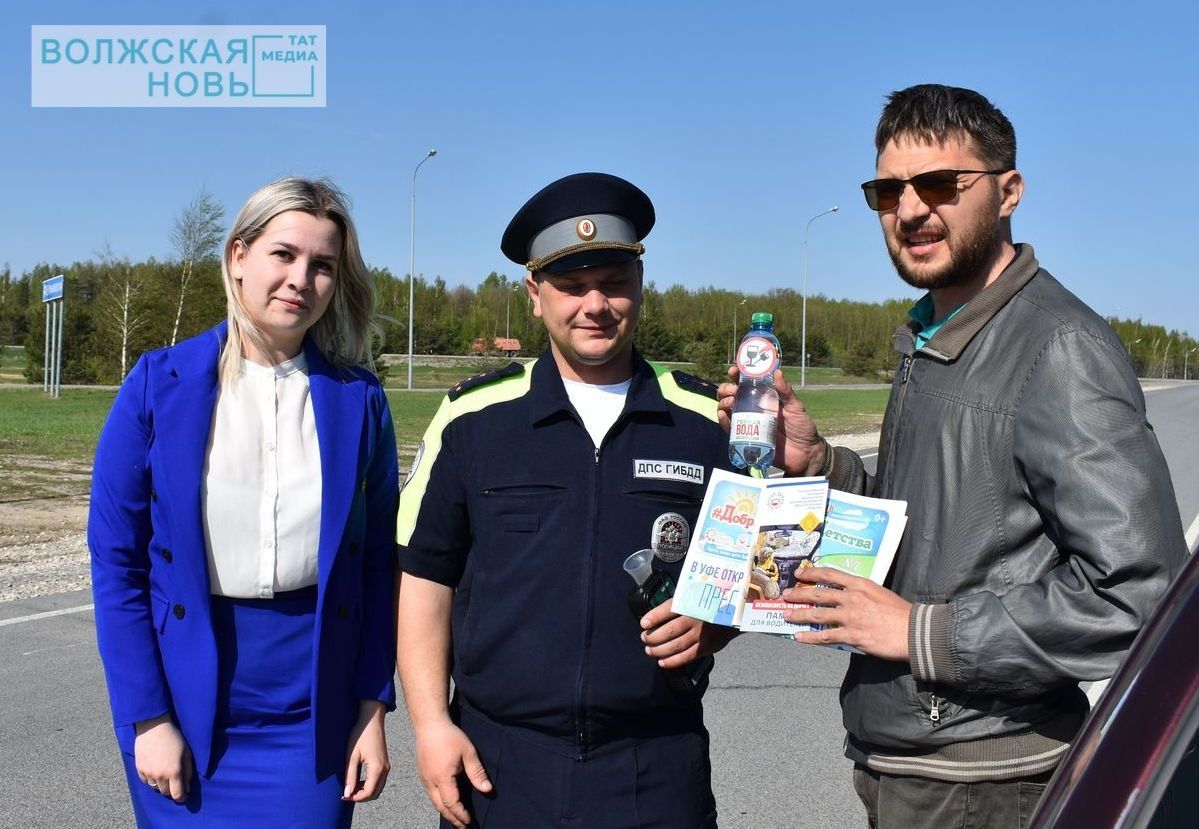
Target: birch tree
(121, 306)
(196, 236)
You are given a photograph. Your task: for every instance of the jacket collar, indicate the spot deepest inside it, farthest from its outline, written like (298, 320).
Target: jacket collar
(197, 357)
(952, 338)
(547, 393)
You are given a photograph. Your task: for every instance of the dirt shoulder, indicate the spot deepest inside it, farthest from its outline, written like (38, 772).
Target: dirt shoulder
(43, 515)
(43, 548)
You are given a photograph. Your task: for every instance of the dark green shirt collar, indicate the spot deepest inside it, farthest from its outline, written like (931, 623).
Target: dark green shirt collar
(922, 314)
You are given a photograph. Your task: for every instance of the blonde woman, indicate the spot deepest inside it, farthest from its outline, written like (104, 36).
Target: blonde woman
(241, 532)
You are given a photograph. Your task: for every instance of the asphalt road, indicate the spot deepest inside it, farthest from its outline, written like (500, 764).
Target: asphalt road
(772, 710)
(1174, 413)
(1173, 409)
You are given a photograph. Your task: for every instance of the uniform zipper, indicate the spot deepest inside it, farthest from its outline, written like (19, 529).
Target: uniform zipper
(580, 716)
(934, 712)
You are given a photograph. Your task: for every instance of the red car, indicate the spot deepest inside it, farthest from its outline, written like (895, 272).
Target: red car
(1135, 762)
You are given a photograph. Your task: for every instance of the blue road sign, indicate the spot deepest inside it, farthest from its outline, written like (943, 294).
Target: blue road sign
(52, 288)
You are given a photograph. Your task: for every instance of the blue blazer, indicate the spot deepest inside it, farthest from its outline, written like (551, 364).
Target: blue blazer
(150, 567)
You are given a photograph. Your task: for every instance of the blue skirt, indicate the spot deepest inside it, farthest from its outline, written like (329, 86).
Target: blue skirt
(264, 770)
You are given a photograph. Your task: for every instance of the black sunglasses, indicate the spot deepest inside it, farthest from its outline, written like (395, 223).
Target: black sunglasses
(933, 187)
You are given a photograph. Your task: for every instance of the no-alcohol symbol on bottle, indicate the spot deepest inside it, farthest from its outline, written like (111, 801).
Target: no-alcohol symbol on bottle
(756, 357)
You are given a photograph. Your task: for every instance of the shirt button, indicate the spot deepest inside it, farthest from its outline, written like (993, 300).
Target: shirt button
(265, 592)
(179, 611)
(270, 545)
(270, 447)
(353, 549)
(343, 612)
(167, 556)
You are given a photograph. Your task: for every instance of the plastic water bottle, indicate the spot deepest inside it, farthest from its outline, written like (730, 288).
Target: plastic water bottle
(755, 411)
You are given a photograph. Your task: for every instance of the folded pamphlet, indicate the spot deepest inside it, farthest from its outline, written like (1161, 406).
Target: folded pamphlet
(755, 535)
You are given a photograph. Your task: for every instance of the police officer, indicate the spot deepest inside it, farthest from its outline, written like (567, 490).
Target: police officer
(532, 485)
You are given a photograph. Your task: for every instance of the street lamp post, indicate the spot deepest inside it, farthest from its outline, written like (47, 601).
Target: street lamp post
(508, 310)
(412, 261)
(1130, 360)
(733, 339)
(1166, 357)
(803, 337)
(1186, 356)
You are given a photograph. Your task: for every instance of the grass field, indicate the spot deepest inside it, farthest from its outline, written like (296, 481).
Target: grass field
(12, 364)
(411, 413)
(436, 377)
(34, 426)
(46, 445)
(12, 370)
(823, 376)
(442, 377)
(846, 411)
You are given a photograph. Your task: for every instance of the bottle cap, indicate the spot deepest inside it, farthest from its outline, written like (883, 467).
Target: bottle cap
(639, 565)
(762, 317)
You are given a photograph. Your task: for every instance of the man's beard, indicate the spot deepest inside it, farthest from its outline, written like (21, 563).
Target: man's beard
(970, 256)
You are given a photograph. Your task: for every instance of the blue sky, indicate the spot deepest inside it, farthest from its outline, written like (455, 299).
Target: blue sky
(742, 120)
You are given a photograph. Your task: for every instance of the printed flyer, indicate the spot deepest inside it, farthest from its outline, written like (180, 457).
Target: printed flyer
(791, 520)
(716, 571)
(755, 535)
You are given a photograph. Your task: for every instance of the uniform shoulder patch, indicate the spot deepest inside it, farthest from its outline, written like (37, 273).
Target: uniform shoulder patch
(479, 380)
(694, 384)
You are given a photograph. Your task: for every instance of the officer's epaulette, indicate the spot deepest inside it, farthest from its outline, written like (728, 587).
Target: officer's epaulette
(511, 370)
(694, 384)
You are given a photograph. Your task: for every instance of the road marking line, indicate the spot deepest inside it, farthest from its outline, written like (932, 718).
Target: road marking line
(35, 616)
(1193, 534)
(53, 648)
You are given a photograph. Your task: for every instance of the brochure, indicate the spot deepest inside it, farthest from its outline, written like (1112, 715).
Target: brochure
(755, 535)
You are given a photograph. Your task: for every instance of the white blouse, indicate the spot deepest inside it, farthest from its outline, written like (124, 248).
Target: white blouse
(261, 493)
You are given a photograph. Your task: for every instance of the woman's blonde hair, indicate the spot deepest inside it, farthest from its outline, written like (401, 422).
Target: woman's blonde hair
(347, 331)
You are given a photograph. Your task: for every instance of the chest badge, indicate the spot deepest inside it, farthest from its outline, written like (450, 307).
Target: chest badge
(672, 535)
(692, 473)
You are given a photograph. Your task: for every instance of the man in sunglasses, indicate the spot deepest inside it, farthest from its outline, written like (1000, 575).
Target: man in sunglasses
(1042, 523)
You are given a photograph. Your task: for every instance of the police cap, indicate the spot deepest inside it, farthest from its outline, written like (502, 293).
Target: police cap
(582, 220)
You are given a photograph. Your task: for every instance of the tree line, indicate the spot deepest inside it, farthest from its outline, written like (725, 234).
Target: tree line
(117, 308)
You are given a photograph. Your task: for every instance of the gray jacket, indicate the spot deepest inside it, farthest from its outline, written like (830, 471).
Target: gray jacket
(1042, 531)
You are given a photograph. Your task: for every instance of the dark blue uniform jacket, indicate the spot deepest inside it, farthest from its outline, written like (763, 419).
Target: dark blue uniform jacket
(511, 504)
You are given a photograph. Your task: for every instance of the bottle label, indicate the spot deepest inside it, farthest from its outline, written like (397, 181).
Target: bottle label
(753, 427)
(757, 357)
